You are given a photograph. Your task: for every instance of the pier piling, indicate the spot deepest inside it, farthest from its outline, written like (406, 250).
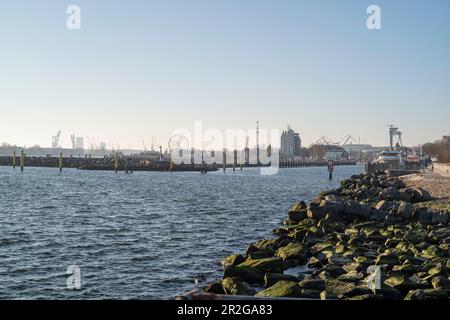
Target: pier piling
(126, 166)
(14, 159)
(60, 161)
(22, 160)
(234, 160)
(116, 162)
(224, 160)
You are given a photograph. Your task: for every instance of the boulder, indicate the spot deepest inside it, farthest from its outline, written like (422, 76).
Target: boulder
(441, 283)
(426, 294)
(440, 217)
(313, 284)
(271, 278)
(293, 250)
(232, 260)
(281, 289)
(354, 208)
(265, 265)
(404, 284)
(378, 215)
(268, 245)
(405, 211)
(245, 273)
(310, 294)
(424, 217)
(258, 255)
(367, 297)
(332, 207)
(341, 288)
(316, 213)
(384, 205)
(388, 293)
(387, 258)
(215, 287)
(234, 286)
(421, 195)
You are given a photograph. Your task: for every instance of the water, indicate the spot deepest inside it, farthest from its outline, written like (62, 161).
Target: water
(148, 235)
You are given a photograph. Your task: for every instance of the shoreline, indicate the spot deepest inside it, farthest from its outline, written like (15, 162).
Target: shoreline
(393, 225)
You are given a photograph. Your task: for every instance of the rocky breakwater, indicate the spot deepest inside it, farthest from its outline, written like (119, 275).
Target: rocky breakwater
(372, 227)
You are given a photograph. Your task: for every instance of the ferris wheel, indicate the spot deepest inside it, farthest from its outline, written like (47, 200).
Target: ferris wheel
(178, 143)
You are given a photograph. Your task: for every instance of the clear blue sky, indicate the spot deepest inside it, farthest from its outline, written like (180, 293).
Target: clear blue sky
(138, 69)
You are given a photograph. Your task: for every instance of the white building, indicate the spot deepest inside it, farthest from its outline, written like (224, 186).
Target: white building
(79, 143)
(290, 145)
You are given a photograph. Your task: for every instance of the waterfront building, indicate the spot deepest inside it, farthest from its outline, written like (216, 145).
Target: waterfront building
(291, 145)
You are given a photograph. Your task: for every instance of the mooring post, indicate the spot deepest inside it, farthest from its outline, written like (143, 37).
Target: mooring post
(14, 159)
(22, 160)
(234, 160)
(116, 162)
(224, 160)
(330, 169)
(60, 161)
(242, 160)
(126, 165)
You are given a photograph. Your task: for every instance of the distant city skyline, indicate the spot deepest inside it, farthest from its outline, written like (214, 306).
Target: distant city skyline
(143, 69)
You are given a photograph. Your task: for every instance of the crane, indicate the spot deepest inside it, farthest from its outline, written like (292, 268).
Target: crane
(73, 140)
(143, 145)
(55, 140)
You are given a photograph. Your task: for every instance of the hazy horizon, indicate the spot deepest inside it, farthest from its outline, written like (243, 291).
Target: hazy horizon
(143, 69)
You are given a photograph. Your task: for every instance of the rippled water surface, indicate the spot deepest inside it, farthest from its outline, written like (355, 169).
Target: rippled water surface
(145, 235)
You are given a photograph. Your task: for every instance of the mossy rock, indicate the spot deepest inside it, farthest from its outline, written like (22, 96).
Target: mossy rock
(281, 289)
(364, 260)
(297, 216)
(313, 284)
(232, 260)
(340, 288)
(246, 273)
(319, 247)
(367, 297)
(293, 250)
(405, 269)
(258, 255)
(441, 283)
(405, 284)
(309, 294)
(265, 265)
(389, 293)
(234, 286)
(387, 258)
(215, 287)
(426, 294)
(271, 278)
(432, 252)
(352, 276)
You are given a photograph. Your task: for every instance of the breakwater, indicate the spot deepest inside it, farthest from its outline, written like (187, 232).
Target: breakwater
(136, 163)
(370, 239)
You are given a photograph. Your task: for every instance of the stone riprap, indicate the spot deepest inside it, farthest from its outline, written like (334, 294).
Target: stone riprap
(369, 239)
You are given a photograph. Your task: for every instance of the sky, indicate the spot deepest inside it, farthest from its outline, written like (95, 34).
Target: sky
(138, 69)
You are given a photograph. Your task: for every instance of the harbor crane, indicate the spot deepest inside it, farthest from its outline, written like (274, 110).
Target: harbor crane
(55, 140)
(73, 140)
(393, 131)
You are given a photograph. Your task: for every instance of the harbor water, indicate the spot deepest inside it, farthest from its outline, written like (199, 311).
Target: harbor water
(146, 235)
